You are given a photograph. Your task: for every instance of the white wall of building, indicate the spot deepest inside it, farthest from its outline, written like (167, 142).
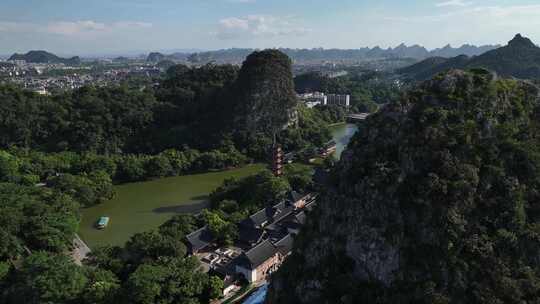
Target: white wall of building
(250, 275)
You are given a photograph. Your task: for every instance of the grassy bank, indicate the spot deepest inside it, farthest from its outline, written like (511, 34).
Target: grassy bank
(140, 207)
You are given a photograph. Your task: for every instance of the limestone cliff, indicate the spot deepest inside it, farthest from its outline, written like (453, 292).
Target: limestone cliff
(436, 200)
(266, 99)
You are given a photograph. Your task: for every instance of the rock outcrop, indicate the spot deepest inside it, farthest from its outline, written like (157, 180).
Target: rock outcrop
(436, 200)
(266, 100)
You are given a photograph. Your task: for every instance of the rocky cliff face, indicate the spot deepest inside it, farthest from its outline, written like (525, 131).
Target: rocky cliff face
(436, 200)
(265, 93)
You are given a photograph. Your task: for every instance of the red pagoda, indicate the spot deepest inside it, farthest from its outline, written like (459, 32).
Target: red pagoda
(277, 161)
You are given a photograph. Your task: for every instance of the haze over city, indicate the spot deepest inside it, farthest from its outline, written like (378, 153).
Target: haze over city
(122, 26)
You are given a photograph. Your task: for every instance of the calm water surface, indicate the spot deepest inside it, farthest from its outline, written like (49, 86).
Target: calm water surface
(342, 134)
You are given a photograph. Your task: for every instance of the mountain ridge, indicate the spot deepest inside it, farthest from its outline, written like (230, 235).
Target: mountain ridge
(520, 58)
(319, 54)
(40, 56)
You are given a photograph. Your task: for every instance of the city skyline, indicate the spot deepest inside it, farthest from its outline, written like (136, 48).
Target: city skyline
(119, 26)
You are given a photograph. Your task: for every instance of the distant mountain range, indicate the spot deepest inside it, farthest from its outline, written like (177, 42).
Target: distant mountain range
(238, 55)
(520, 59)
(45, 57)
(157, 57)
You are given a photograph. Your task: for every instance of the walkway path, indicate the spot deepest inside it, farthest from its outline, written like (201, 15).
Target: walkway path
(80, 250)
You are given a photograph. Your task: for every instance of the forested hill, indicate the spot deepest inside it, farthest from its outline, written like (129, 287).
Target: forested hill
(436, 200)
(195, 107)
(520, 59)
(45, 57)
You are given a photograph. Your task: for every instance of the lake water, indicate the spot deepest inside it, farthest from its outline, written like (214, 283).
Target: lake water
(342, 134)
(258, 296)
(139, 207)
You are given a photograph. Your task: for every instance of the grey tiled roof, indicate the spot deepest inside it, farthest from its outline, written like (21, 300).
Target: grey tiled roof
(200, 239)
(269, 215)
(249, 234)
(285, 245)
(258, 255)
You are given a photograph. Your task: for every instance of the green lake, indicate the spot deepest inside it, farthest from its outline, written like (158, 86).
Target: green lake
(139, 207)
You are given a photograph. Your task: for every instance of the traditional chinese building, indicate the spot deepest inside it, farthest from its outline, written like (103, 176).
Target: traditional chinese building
(264, 259)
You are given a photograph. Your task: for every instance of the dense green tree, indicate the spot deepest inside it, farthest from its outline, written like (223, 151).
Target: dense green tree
(45, 278)
(175, 280)
(103, 287)
(235, 198)
(226, 232)
(109, 258)
(215, 287)
(146, 283)
(9, 167)
(158, 166)
(152, 245)
(300, 177)
(131, 169)
(178, 226)
(36, 219)
(89, 190)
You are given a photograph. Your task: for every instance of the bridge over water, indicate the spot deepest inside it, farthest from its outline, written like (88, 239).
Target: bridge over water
(357, 116)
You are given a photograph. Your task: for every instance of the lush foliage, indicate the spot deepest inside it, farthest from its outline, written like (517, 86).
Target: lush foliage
(88, 119)
(249, 194)
(437, 202)
(152, 268)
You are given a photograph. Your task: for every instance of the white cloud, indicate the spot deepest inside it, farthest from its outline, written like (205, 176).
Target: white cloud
(73, 28)
(253, 26)
(475, 24)
(92, 27)
(16, 27)
(460, 3)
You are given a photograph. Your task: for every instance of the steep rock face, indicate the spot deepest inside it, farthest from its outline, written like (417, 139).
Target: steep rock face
(436, 200)
(265, 92)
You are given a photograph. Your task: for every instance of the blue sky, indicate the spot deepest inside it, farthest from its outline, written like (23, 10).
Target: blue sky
(116, 26)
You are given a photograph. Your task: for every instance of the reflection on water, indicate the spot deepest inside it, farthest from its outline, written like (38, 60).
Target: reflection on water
(258, 296)
(342, 134)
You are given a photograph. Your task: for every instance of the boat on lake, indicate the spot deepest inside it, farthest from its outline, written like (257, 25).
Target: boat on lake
(103, 222)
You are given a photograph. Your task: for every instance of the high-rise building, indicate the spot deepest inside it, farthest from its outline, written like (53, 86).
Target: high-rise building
(338, 100)
(317, 98)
